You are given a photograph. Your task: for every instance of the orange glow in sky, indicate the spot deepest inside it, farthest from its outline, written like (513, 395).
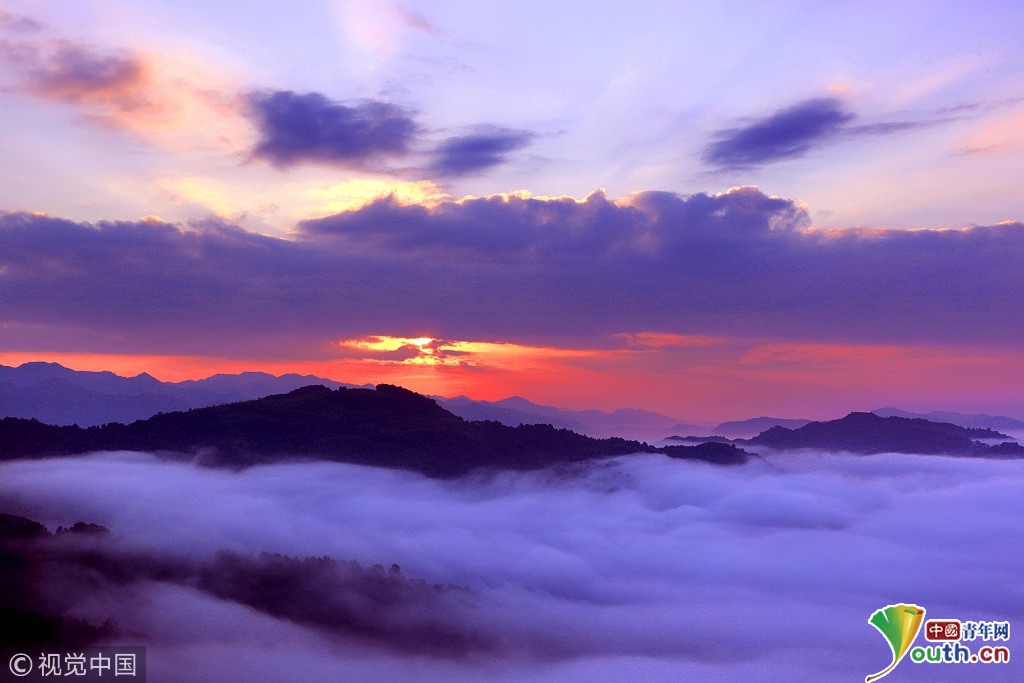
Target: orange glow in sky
(690, 378)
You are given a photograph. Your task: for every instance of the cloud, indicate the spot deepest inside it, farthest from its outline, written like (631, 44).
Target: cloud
(310, 128)
(418, 22)
(174, 101)
(796, 130)
(383, 350)
(490, 226)
(477, 152)
(80, 74)
(996, 135)
(19, 23)
(650, 224)
(180, 102)
(515, 268)
(296, 128)
(786, 134)
(106, 82)
(634, 567)
(889, 127)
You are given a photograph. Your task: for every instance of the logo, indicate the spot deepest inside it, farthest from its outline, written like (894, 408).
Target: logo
(20, 665)
(899, 625)
(112, 663)
(941, 630)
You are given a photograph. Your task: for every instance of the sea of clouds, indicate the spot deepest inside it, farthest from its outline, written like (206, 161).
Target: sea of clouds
(633, 568)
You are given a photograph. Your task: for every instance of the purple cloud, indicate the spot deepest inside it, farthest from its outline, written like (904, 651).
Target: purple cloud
(795, 131)
(517, 268)
(301, 128)
(79, 74)
(296, 128)
(477, 152)
(653, 225)
(890, 127)
(488, 227)
(79, 69)
(18, 23)
(786, 134)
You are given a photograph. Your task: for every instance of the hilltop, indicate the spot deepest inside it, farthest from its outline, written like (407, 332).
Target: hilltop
(387, 427)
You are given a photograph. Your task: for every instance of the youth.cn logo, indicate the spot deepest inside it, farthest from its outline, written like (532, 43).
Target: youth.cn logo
(949, 641)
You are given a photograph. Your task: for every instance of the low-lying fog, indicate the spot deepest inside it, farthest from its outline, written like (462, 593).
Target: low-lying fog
(636, 568)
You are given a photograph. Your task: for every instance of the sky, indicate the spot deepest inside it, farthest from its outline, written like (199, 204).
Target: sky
(711, 210)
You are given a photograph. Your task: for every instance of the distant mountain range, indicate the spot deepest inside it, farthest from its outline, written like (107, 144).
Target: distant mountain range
(630, 423)
(742, 429)
(870, 433)
(737, 429)
(57, 395)
(962, 419)
(385, 427)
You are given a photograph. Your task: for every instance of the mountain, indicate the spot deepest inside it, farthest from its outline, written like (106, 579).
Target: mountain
(964, 420)
(59, 401)
(29, 557)
(631, 423)
(741, 429)
(698, 439)
(57, 395)
(513, 411)
(386, 427)
(46, 579)
(870, 433)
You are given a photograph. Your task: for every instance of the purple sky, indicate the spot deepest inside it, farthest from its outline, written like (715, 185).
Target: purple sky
(809, 210)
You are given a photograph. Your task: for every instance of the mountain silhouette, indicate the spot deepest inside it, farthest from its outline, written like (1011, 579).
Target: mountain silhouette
(47, 577)
(57, 395)
(735, 429)
(963, 419)
(871, 433)
(630, 423)
(386, 427)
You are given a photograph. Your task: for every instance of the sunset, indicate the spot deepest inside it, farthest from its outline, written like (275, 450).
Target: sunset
(652, 223)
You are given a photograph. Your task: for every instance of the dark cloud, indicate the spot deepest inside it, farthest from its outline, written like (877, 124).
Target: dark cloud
(130, 90)
(656, 227)
(786, 134)
(477, 152)
(296, 128)
(795, 131)
(299, 128)
(512, 267)
(490, 228)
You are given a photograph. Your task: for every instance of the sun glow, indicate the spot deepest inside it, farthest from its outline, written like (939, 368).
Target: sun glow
(326, 200)
(385, 343)
(711, 378)
(387, 350)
